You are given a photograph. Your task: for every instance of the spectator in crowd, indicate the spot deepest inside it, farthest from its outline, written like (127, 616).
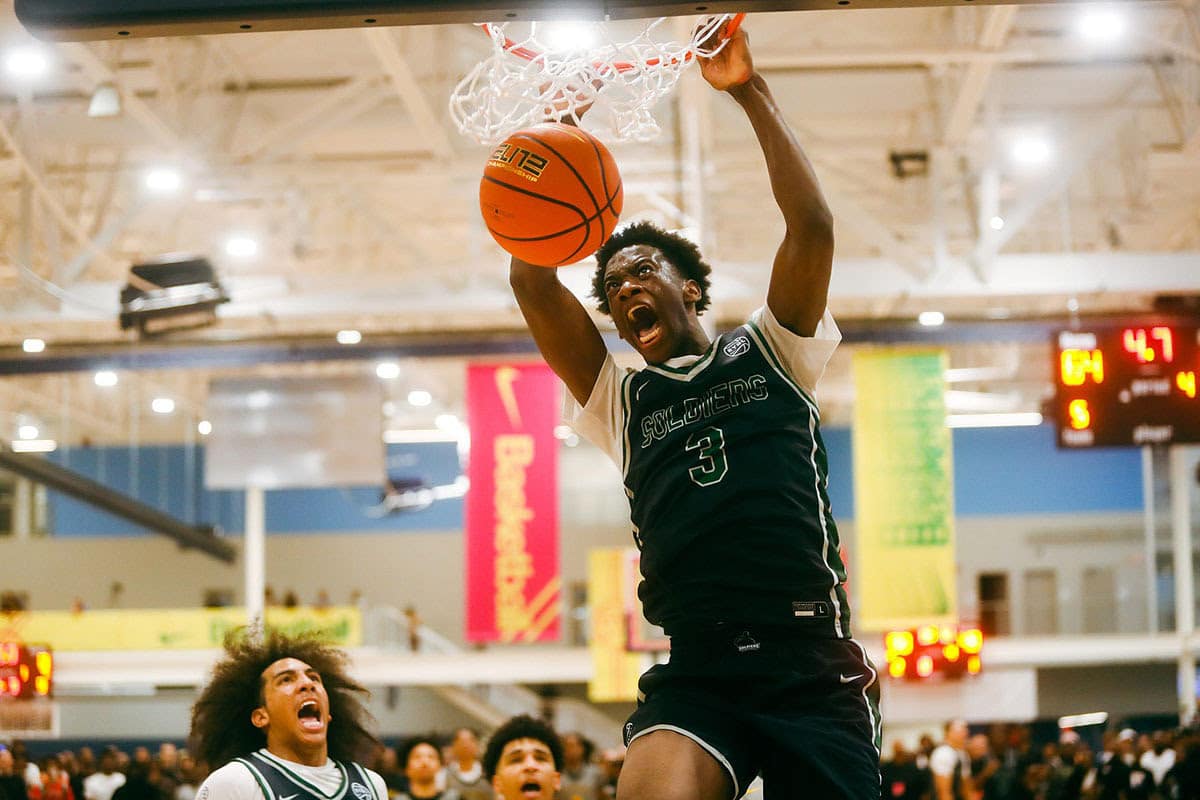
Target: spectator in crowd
(139, 782)
(984, 766)
(611, 762)
(1068, 768)
(949, 765)
(1112, 774)
(523, 760)
(464, 772)
(25, 766)
(12, 785)
(291, 599)
(101, 784)
(1159, 759)
(189, 778)
(167, 761)
(56, 784)
(70, 764)
(422, 759)
(901, 778)
(581, 777)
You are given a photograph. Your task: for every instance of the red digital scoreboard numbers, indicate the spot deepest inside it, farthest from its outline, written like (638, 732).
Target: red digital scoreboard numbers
(1129, 385)
(26, 671)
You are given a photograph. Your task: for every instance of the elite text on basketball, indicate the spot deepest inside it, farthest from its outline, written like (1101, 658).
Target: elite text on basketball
(519, 161)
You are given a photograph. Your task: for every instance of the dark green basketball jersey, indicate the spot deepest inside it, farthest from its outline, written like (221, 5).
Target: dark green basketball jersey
(726, 475)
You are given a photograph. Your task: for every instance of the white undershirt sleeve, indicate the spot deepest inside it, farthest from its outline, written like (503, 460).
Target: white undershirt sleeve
(804, 357)
(601, 419)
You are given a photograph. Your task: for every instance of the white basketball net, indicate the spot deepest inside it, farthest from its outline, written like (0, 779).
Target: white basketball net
(525, 81)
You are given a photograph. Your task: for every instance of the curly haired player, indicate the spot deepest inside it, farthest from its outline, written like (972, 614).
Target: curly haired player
(281, 720)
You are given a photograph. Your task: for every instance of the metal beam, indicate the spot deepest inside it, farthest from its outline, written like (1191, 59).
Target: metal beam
(89, 491)
(1087, 142)
(384, 45)
(974, 83)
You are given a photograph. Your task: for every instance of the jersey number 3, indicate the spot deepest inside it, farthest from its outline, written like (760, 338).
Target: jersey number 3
(713, 465)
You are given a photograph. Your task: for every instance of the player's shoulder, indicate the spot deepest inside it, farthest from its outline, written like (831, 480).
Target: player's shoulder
(231, 780)
(376, 780)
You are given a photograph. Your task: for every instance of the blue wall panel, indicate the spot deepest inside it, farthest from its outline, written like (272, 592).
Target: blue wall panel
(996, 471)
(171, 479)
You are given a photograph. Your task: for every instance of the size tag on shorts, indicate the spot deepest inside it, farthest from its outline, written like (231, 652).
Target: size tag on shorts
(818, 608)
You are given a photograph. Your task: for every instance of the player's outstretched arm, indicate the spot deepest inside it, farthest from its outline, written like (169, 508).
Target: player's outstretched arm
(799, 285)
(561, 327)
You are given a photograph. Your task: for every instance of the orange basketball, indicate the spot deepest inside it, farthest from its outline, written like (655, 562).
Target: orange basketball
(551, 194)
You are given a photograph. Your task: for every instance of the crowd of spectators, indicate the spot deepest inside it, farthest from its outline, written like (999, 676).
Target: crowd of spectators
(420, 768)
(1004, 763)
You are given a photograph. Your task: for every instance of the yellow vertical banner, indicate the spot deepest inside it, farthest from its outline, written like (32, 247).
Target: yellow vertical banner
(903, 490)
(615, 670)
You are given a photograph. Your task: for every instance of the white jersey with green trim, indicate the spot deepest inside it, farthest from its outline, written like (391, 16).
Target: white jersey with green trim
(264, 776)
(726, 475)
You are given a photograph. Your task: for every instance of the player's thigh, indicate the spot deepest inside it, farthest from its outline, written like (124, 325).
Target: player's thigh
(664, 765)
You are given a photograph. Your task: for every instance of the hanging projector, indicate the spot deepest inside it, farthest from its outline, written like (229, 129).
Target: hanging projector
(172, 292)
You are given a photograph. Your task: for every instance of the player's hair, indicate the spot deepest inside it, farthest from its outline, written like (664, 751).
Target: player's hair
(521, 727)
(221, 727)
(413, 744)
(683, 254)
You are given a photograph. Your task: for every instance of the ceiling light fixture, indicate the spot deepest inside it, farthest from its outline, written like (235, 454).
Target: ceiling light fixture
(162, 405)
(26, 62)
(419, 398)
(1031, 151)
(1101, 25)
(105, 377)
(105, 102)
(349, 337)
(241, 247)
(33, 345)
(163, 180)
(931, 319)
(387, 370)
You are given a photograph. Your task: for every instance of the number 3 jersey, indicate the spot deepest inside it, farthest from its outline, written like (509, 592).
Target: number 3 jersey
(726, 476)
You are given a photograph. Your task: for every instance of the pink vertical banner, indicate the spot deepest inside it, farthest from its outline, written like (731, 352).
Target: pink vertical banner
(513, 581)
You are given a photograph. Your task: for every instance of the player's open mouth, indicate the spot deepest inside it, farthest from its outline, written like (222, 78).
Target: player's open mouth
(531, 789)
(310, 716)
(644, 325)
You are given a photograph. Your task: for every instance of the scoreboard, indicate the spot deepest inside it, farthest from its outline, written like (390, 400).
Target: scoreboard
(1129, 385)
(26, 671)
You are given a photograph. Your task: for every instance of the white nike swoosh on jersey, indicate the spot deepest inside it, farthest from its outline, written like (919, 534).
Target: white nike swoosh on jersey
(842, 678)
(289, 797)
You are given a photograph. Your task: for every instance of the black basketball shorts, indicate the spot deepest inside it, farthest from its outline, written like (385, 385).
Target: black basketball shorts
(802, 712)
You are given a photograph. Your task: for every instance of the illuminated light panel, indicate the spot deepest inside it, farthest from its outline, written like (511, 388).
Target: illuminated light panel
(951, 652)
(927, 634)
(1148, 348)
(897, 667)
(33, 345)
(1081, 415)
(974, 665)
(925, 666)
(899, 643)
(971, 640)
(1077, 365)
(1186, 381)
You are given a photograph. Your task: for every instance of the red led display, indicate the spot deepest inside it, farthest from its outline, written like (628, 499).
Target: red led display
(1132, 385)
(26, 671)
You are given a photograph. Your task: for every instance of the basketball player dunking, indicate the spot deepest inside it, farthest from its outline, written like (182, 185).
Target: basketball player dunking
(726, 476)
(280, 721)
